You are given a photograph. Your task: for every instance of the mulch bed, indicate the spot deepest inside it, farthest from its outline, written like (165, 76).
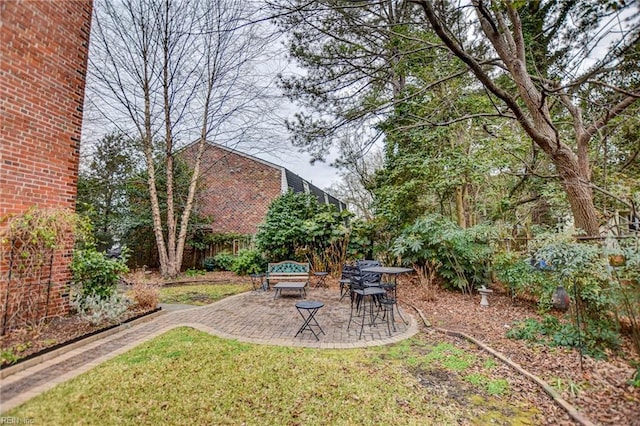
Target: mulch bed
(599, 389)
(27, 342)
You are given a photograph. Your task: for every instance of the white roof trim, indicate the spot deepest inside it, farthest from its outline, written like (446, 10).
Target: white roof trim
(284, 184)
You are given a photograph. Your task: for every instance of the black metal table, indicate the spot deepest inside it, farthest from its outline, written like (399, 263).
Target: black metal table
(321, 277)
(308, 310)
(364, 298)
(393, 271)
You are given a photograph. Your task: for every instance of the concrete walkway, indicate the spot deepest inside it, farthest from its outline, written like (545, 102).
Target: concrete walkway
(253, 317)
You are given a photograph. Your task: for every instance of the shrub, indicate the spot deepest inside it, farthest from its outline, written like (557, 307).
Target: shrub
(582, 268)
(97, 309)
(283, 233)
(516, 272)
(594, 336)
(297, 227)
(248, 261)
(461, 255)
(96, 274)
(145, 296)
(224, 261)
(209, 263)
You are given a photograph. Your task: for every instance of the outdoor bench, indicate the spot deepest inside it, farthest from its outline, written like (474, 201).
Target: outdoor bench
(288, 275)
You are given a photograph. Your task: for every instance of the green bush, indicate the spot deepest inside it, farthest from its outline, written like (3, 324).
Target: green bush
(224, 261)
(529, 329)
(249, 261)
(593, 336)
(516, 272)
(283, 234)
(463, 254)
(361, 240)
(582, 268)
(297, 227)
(95, 274)
(97, 310)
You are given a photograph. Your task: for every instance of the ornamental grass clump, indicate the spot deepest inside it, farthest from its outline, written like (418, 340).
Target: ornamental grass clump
(145, 296)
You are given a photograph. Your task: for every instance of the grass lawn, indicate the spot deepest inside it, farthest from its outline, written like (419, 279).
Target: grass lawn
(189, 377)
(200, 294)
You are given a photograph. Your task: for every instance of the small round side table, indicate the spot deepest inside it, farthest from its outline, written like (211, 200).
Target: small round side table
(308, 310)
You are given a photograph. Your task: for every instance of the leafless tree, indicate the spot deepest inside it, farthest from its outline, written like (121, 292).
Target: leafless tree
(174, 71)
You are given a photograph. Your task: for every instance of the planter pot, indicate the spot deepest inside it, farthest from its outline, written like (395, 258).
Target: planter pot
(209, 264)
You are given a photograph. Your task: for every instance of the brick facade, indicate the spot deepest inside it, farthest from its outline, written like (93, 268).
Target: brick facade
(43, 60)
(235, 189)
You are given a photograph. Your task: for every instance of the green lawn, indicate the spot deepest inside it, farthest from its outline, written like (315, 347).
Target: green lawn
(200, 294)
(189, 377)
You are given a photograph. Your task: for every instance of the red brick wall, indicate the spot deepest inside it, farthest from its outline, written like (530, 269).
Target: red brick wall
(43, 59)
(235, 190)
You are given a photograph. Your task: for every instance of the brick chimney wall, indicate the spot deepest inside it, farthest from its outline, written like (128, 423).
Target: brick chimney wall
(43, 61)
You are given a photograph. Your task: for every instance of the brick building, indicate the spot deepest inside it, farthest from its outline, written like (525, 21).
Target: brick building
(43, 60)
(236, 189)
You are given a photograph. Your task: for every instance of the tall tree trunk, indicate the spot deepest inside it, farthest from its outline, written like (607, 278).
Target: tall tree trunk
(579, 195)
(173, 267)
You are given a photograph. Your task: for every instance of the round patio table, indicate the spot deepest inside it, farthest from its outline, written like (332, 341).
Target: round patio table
(394, 271)
(307, 311)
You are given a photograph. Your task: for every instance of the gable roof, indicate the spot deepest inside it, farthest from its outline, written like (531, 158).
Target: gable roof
(298, 184)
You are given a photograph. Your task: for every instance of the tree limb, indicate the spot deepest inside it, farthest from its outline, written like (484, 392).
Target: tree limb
(476, 68)
(609, 115)
(609, 194)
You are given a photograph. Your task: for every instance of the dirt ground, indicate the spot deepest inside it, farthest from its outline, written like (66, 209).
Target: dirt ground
(599, 389)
